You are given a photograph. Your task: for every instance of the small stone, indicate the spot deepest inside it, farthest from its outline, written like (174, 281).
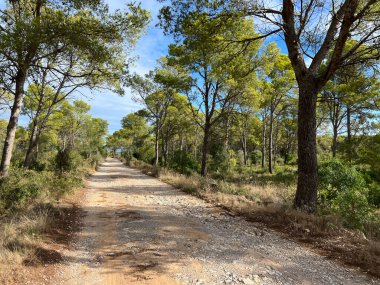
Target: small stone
(246, 281)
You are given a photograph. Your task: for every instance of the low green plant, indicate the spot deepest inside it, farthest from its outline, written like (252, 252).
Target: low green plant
(343, 190)
(184, 163)
(68, 160)
(23, 187)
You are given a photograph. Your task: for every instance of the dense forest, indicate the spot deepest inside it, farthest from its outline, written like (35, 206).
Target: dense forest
(285, 97)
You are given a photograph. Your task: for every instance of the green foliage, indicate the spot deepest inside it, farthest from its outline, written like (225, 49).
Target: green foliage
(24, 187)
(335, 177)
(369, 154)
(146, 152)
(224, 161)
(184, 163)
(374, 194)
(352, 205)
(343, 190)
(67, 160)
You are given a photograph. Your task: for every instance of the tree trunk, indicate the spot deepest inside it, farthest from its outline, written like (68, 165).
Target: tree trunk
(12, 124)
(335, 141)
(227, 137)
(156, 144)
(306, 194)
(181, 146)
(348, 123)
(270, 146)
(166, 149)
(163, 157)
(263, 144)
(34, 135)
(206, 141)
(274, 146)
(32, 144)
(244, 147)
(181, 142)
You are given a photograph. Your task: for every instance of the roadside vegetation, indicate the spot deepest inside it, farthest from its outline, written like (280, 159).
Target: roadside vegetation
(29, 208)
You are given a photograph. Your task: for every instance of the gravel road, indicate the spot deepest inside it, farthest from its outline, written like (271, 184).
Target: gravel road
(138, 230)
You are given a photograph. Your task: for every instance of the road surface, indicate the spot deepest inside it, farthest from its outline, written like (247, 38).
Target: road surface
(138, 230)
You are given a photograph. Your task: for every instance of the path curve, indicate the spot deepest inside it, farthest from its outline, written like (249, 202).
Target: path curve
(138, 230)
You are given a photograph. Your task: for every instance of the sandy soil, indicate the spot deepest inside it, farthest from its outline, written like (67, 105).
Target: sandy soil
(138, 230)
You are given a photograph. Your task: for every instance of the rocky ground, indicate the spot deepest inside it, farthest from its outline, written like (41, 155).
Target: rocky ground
(138, 230)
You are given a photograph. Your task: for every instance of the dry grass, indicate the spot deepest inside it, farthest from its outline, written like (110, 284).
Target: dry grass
(20, 235)
(28, 230)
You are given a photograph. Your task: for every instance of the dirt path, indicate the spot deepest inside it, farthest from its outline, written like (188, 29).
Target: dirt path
(138, 230)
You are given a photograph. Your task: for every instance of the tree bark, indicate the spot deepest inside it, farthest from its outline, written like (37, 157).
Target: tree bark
(263, 144)
(244, 146)
(306, 194)
(34, 135)
(335, 141)
(166, 148)
(348, 124)
(156, 144)
(12, 124)
(205, 146)
(227, 136)
(32, 144)
(270, 143)
(163, 152)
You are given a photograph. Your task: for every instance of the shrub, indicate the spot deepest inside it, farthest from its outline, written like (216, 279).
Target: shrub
(224, 162)
(374, 194)
(335, 177)
(352, 205)
(67, 160)
(343, 190)
(95, 159)
(22, 186)
(184, 163)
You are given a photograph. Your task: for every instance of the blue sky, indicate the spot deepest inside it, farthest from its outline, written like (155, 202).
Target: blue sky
(111, 107)
(152, 45)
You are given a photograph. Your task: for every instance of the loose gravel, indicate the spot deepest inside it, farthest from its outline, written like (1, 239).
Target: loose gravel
(139, 230)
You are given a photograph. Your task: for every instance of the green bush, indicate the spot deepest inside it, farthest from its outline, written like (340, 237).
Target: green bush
(67, 160)
(23, 187)
(343, 190)
(224, 162)
(95, 159)
(335, 177)
(352, 205)
(184, 163)
(374, 194)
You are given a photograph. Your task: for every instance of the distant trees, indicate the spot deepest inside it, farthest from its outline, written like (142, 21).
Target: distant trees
(277, 85)
(350, 99)
(156, 91)
(220, 69)
(49, 35)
